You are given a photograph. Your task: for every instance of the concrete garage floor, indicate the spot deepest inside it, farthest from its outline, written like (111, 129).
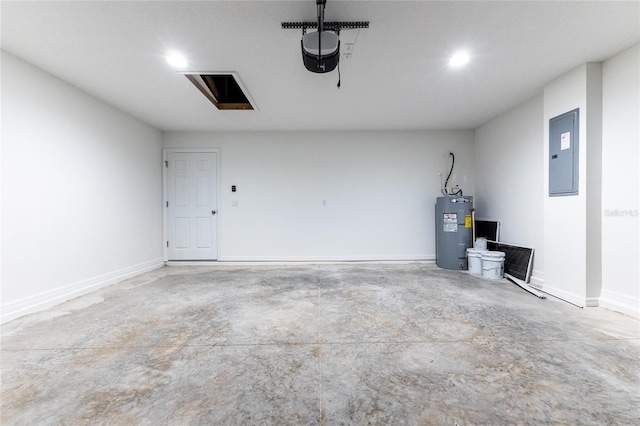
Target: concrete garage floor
(320, 344)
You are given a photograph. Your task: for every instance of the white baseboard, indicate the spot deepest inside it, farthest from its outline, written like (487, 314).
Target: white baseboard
(537, 282)
(574, 299)
(608, 299)
(591, 302)
(47, 299)
(537, 279)
(325, 259)
(288, 262)
(619, 302)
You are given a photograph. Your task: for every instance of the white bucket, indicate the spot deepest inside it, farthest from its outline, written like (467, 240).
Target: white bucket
(481, 243)
(493, 264)
(474, 260)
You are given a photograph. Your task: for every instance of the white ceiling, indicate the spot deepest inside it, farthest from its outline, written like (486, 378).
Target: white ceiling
(397, 77)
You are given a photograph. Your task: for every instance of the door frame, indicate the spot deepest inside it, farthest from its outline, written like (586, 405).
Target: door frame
(165, 193)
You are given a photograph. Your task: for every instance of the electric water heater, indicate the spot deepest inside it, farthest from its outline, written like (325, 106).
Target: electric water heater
(453, 231)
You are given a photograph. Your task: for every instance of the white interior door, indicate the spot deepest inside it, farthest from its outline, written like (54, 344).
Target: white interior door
(192, 206)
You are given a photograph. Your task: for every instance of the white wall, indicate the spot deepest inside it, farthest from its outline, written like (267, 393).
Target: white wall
(81, 191)
(509, 178)
(571, 246)
(380, 190)
(590, 241)
(594, 183)
(621, 182)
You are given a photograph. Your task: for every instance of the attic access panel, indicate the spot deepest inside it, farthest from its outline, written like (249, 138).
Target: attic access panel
(223, 89)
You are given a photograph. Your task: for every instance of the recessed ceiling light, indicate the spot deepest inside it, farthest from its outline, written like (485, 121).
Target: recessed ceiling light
(459, 59)
(176, 59)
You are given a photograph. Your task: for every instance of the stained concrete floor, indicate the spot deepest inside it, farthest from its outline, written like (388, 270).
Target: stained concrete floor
(321, 344)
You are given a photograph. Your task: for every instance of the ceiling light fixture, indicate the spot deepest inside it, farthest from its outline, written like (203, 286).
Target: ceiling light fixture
(176, 60)
(459, 59)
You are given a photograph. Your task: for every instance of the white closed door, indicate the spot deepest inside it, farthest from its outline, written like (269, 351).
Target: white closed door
(192, 204)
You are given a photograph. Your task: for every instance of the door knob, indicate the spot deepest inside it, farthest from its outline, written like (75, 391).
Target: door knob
(213, 212)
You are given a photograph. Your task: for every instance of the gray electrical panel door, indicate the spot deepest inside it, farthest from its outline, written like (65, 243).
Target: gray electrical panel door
(453, 231)
(563, 154)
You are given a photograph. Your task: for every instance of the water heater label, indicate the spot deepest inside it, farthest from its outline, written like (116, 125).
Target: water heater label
(467, 221)
(450, 222)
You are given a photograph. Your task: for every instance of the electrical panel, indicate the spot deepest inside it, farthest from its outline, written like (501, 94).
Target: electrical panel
(563, 154)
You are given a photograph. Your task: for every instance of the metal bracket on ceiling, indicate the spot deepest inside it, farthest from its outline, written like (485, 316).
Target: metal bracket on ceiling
(334, 26)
